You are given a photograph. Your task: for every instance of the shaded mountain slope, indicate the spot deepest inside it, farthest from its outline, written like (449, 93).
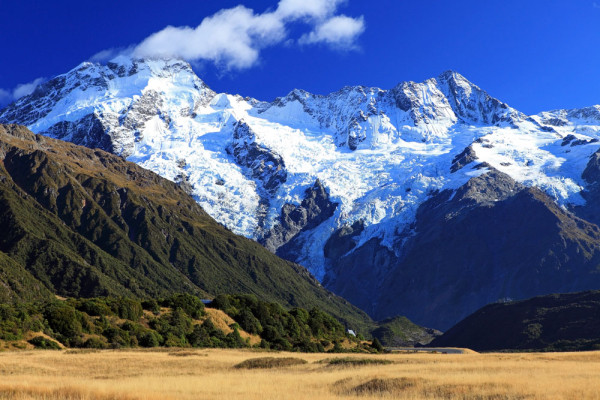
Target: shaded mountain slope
(87, 223)
(492, 238)
(565, 322)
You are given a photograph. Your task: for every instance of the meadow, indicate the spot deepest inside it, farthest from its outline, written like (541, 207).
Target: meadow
(224, 374)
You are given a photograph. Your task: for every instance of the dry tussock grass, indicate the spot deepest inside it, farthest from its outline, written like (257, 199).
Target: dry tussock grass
(151, 375)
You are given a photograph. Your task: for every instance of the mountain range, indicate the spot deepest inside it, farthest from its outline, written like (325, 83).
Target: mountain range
(427, 200)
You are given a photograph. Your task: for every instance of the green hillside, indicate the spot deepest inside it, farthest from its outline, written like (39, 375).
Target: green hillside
(84, 223)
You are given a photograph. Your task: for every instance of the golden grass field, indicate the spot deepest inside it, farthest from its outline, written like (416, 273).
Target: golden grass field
(210, 374)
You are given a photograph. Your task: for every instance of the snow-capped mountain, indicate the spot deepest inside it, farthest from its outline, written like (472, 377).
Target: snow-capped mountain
(305, 171)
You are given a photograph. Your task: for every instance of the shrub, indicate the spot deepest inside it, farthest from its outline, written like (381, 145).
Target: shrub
(376, 345)
(150, 339)
(191, 305)
(127, 308)
(95, 307)
(64, 320)
(270, 362)
(352, 362)
(151, 305)
(41, 342)
(95, 343)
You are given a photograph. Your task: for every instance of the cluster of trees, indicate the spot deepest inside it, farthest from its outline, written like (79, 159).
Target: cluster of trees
(296, 329)
(176, 321)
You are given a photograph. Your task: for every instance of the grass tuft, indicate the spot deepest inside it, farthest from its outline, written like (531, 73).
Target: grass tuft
(270, 362)
(355, 361)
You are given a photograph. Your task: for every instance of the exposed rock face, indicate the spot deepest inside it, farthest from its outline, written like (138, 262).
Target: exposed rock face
(260, 164)
(465, 157)
(343, 240)
(470, 103)
(314, 209)
(491, 239)
(88, 131)
(558, 322)
(265, 166)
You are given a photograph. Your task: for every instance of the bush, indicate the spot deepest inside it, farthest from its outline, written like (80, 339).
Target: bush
(128, 308)
(376, 345)
(151, 305)
(95, 307)
(270, 362)
(150, 339)
(95, 343)
(41, 342)
(249, 322)
(64, 320)
(191, 305)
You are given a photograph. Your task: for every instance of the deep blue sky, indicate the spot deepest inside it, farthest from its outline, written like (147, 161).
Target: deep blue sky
(533, 54)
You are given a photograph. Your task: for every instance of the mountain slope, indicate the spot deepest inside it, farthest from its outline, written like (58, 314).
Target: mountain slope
(563, 322)
(87, 223)
(322, 178)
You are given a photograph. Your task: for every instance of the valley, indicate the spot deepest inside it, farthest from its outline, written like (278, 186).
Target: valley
(211, 374)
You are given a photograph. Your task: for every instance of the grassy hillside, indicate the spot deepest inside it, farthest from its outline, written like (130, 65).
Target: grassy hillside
(84, 223)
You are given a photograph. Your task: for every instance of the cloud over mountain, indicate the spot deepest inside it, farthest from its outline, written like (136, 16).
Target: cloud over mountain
(234, 37)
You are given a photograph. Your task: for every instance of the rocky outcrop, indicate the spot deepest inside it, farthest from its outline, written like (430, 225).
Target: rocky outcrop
(343, 240)
(471, 104)
(314, 209)
(88, 131)
(463, 158)
(263, 165)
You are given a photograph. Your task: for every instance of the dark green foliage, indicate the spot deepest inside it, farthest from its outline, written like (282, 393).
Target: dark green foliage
(127, 308)
(95, 343)
(17, 319)
(151, 305)
(377, 345)
(150, 339)
(64, 320)
(100, 323)
(297, 329)
(43, 343)
(94, 307)
(190, 304)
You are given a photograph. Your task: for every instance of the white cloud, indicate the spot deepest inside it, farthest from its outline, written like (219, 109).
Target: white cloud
(108, 54)
(307, 8)
(26, 88)
(596, 5)
(234, 37)
(8, 96)
(339, 31)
